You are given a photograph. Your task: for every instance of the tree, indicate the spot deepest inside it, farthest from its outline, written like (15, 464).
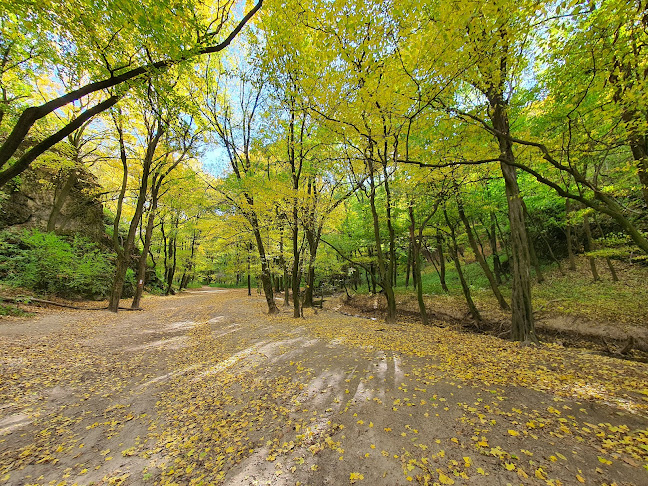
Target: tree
(233, 126)
(110, 65)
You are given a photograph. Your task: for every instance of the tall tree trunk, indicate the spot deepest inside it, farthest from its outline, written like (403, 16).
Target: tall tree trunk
(638, 145)
(266, 279)
(141, 267)
(372, 268)
(391, 297)
(313, 244)
(249, 276)
(608, 260)
(416, 266)
(522, 321)
(383, 268)
(123, 257)
(480, 259)
(296, 270)
(188, 271)
(284, 267)
(173, 247)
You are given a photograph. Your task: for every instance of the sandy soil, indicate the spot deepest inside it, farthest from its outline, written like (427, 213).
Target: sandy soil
(204, 388)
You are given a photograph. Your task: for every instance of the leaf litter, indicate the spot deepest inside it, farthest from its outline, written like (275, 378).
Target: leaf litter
(255, 399)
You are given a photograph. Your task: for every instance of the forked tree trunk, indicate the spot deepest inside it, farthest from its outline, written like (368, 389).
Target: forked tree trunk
(383, 268)
(124, 255)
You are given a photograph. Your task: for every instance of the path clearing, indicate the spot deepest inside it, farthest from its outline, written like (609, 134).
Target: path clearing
(204, 388)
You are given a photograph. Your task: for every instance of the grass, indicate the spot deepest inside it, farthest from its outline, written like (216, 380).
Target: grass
(574, 294)
(12, 310)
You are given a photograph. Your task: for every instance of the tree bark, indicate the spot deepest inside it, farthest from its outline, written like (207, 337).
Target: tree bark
(266, 279)
(383, 268)
(31, 115)
(296, 268)
(249, 277)
(522, 321)
(123, 256)
(148, 234)
(313, 244)
(173, 258)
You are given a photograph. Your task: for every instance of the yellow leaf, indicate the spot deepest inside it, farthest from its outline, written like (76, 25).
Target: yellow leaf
(540, 474)
(509, 466)
(355, 477)
(481, 471)
(580, 478)
(514, 433)
(445, 479)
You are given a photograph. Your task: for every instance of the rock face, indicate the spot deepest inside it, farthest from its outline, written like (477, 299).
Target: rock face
(64, 201)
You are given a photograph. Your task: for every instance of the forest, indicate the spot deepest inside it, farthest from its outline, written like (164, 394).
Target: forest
(320, 146)
(387, 241)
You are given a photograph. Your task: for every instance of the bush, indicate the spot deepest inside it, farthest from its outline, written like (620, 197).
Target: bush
(48, 263)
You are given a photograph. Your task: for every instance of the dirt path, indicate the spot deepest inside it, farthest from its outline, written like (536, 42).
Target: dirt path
(203, 388)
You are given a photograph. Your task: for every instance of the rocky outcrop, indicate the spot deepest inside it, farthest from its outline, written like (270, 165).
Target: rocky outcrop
(63, 200)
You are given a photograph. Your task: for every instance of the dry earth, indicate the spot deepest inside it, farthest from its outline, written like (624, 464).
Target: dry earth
(204, 388)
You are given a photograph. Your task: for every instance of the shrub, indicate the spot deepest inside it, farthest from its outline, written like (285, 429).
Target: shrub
(48, 263)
